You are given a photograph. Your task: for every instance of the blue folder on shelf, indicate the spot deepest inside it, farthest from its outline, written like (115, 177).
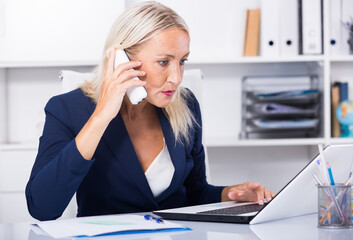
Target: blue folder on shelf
(288, 94)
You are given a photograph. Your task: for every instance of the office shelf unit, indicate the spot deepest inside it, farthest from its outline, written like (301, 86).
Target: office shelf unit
(224, 70)
(27, 82)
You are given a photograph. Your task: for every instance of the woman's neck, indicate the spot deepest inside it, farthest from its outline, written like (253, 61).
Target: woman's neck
(133, 112)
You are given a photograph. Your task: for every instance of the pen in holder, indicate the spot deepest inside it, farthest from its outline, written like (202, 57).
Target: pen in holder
(334, 202)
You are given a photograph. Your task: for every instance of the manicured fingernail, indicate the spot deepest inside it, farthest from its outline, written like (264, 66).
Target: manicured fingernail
(261, 202)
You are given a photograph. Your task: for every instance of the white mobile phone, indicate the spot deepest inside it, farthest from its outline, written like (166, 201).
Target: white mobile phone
(135, 94)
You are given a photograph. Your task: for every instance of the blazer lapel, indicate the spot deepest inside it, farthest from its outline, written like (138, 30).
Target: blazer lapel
(119, 142)
(123, 149)
(177, 154)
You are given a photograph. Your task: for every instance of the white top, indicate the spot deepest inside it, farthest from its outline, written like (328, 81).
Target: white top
(160, 173)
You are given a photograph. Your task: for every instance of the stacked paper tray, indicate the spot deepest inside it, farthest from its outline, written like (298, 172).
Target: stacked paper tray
(300, 96)
(279, 111)
(280, 107)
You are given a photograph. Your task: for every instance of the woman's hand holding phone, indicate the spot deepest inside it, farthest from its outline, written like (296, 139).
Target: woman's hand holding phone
(113, 88)
(115, 84)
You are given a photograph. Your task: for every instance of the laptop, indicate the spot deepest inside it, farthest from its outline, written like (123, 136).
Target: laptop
(298, 197)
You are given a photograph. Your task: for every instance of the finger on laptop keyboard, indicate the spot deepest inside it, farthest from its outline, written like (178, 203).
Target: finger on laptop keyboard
(260, 195)
(268, 194)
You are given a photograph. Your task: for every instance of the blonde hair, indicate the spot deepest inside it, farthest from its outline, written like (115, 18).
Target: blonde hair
(133, 27)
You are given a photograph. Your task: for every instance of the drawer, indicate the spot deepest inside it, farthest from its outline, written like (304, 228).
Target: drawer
(15, 169)
(13, 208)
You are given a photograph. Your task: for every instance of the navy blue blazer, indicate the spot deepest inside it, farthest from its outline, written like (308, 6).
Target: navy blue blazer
(113, 181)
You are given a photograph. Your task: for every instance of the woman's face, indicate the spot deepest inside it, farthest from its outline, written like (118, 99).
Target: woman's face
(163, 58)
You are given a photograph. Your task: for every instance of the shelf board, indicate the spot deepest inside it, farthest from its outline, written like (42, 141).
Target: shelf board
(234, 142)
(245, 60)
(341, 141)
(347, 58)
(33, 64)
(240, 60)
(18, 146)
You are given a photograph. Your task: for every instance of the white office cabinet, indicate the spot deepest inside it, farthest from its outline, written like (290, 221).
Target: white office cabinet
(15, 168)
(217, 31)
(13, 208)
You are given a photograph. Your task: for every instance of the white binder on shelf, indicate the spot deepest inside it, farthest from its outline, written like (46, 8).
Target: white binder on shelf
(311, 27)
(289, 28)
(3, 107)
(336, 28)
(347, 17)
(2, 19)
(2, 30)
(269, 33)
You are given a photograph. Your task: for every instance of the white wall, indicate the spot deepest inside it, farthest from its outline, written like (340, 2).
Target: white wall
(41, 30)
(216, 27)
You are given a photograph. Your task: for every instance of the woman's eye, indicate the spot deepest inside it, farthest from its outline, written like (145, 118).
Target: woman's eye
(182, 62)
(163, 63)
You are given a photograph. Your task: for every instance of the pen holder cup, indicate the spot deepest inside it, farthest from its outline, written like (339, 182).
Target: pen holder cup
(335, 206)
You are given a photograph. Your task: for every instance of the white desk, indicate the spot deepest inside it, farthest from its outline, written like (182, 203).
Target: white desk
(299, 228)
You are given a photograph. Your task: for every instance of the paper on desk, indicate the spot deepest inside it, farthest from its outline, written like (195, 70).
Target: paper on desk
(92, 226)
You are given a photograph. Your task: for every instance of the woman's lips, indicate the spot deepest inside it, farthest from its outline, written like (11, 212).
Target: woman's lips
(168, 93)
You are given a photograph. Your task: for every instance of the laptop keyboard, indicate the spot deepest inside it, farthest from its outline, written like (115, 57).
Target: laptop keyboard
(236, 210)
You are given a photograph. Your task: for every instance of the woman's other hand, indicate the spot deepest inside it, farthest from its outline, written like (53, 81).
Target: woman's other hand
(247, 192)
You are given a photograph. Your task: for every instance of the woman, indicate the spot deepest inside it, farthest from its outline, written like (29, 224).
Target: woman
(119, 157)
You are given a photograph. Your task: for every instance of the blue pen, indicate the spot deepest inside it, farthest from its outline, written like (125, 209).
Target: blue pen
(328, 166)
(152, 218)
